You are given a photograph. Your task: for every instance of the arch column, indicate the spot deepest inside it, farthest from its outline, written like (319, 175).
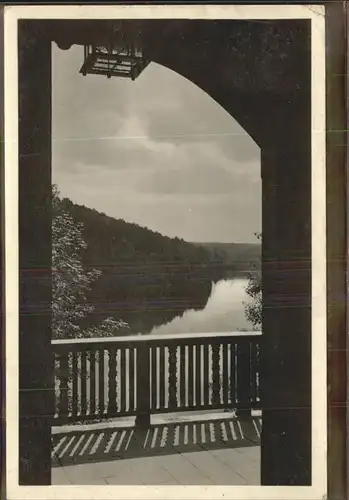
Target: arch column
(286, 268)
(36, 393)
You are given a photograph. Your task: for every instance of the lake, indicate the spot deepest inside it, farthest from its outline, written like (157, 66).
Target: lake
(223, 312)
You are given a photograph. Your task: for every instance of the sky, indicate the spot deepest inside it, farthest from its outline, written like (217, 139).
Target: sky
(157, 151)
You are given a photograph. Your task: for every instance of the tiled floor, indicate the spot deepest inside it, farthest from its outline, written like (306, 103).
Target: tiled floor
(217, 450)
(215, 467)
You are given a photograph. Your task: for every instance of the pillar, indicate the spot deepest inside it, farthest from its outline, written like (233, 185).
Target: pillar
(286, 267)
(35, 356)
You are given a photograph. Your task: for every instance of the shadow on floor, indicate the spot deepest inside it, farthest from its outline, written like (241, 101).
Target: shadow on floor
(117, 443)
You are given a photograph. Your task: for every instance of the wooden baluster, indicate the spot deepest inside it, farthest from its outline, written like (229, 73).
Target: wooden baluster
(143, 385)
(253, 384)
(258, 370)
(112, 405)
(101, 382)
(123, 380)
(225, 375)
(215, 375)
(92, 356)
(244, 378)
(206, 385)
(190, 376)
(198, 375)
(162, 379)
(172, 376)
(131, 388)
(183, 381)
(83, 379)
(232, 384)
(75, 375)
(154, 379)
(63, 405)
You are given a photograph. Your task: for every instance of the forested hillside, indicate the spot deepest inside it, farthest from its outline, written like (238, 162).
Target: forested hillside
(237, 257)
(147, 279)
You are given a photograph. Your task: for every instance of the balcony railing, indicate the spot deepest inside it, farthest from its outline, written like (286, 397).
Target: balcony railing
(143, 375)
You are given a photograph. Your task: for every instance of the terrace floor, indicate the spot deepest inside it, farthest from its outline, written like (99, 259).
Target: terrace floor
(196, 449)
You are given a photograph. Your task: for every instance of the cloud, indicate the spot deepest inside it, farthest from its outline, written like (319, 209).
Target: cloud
(197, 180)
(173, 109)
(111, 154)
(157, 151)
(200, 170)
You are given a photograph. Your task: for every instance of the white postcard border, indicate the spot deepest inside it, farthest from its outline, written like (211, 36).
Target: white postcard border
(318, 204)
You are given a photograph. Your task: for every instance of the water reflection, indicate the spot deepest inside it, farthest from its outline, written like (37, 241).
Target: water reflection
(223, 312)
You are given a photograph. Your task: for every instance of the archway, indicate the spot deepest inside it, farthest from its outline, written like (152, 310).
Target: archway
(259, 85)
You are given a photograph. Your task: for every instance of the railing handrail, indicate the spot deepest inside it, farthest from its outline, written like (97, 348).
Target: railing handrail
(207, 371)
(154, 338)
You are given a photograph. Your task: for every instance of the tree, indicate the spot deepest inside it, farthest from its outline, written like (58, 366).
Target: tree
(70, 281)
(253, 309)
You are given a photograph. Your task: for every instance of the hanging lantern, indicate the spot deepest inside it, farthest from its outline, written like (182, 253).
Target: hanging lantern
(123, 58)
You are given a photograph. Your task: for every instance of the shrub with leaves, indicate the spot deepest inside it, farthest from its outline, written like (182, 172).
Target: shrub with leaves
(253, 309)
(70, 281)
(70, 285)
